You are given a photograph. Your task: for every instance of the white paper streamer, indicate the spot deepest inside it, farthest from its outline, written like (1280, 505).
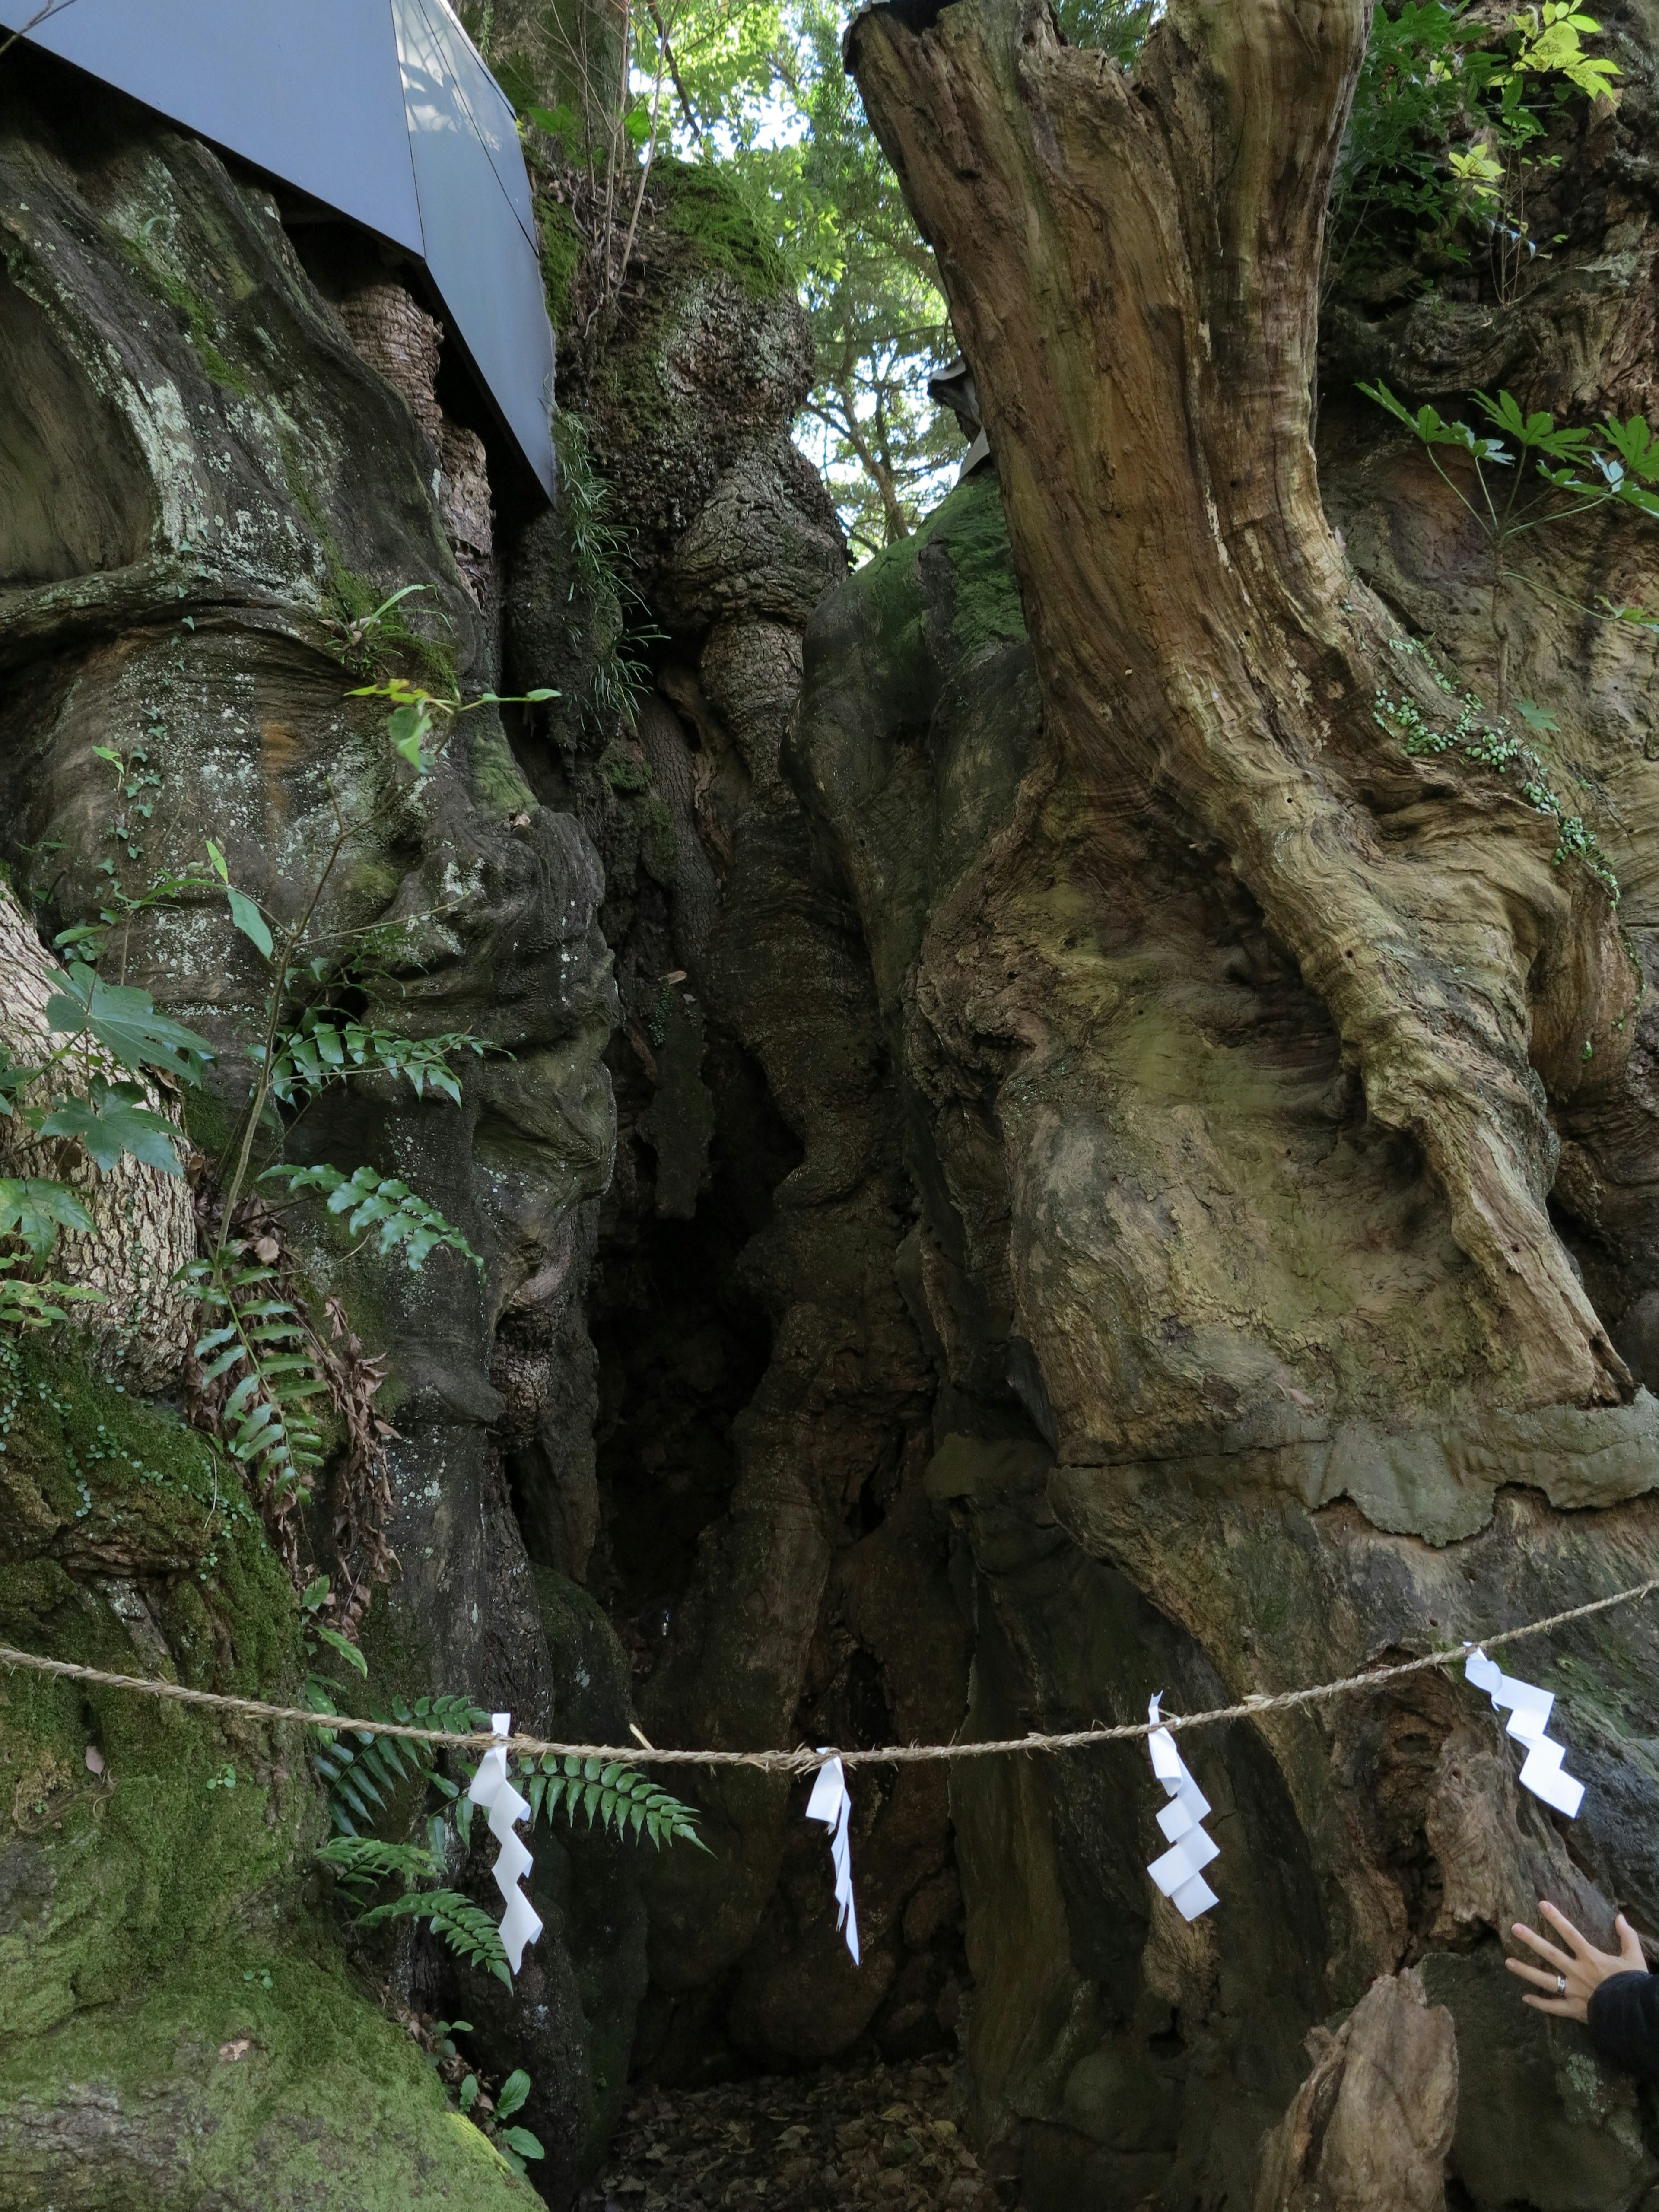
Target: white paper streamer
(1177, 1874)
(830, 1803)
(1528, 1708)
(490, 1788)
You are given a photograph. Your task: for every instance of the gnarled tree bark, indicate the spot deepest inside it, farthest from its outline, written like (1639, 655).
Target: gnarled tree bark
(1131, 264)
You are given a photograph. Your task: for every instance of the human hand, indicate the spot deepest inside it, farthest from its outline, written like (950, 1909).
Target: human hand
(1572, 1977)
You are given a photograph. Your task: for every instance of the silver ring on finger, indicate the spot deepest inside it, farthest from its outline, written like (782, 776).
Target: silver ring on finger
(1560, 1985)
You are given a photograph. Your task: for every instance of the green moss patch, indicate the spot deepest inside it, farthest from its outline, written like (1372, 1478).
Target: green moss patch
(562, 248)
(163, 1983)
(706, 211)
(971, 530)
(246, 2076)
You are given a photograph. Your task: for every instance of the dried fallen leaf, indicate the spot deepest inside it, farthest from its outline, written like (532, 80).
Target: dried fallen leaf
(94, 1759)
(238, 2047)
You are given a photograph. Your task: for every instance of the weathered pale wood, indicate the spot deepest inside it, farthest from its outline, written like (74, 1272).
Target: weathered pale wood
(1132, 266)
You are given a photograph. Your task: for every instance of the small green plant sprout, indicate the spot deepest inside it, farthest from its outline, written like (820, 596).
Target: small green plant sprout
(225, 1778)
(471, 2089)
(356, 634)
(314, 1631)
(133, 775)
(515, 2144)
(422, 723)
(1500, 492)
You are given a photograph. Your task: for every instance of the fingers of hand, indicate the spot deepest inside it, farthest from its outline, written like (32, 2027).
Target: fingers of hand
(1536, 1975)
(1631, 1953)
(1564, 1929)
(1558, 2008)
(1534, 1941)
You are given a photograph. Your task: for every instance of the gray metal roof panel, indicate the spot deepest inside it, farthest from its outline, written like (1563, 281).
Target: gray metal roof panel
(382, 109)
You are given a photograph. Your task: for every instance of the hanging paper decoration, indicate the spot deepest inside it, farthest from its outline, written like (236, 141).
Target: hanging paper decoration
(1528, 1708)
(1178, 1873)
(490, 1788)
(830, 1803)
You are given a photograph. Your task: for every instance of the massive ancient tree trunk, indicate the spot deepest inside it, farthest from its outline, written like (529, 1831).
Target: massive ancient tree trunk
(1134, 271)
(1238, 1044)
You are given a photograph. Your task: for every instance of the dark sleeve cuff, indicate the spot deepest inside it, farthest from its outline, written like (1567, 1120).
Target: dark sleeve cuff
(1623, 2017)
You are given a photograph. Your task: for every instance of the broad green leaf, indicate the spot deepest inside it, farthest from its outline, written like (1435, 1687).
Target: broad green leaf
(347, 1650)
(110, 1123)
(125, 1022)
(35, 1209)
(249, 920)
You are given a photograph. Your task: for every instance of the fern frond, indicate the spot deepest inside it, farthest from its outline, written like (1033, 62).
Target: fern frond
(466, 1927)
(620, 1799)
(258, 1353)
(361, 1770)
(399, 1216)
(328, 1047)
(359, 1861)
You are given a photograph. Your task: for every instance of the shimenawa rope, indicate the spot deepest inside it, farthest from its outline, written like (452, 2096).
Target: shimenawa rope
(806, 1760)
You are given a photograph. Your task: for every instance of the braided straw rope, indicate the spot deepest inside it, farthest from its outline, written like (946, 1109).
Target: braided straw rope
(804, 1759)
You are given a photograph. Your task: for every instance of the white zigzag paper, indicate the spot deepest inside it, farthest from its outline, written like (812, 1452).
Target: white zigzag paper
(1179, 1874)
(830, 1803)
(1528, 1709)
(490, 1788)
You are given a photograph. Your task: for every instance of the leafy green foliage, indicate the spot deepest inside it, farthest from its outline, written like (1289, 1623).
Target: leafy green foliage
(1444, 112)
(372, 1773)
(1116, 28)
(125, 1022)
(360, 1861)
(467, 1927)
(243, 911)
(422, 722)
(260, 1347)
(35, 1209)
(326, 1047)
(615, 1797)
(26, 1304)
(121, 907)
(510, 2097)
(112, 1119)
(1499, 494)
(602, 603)
(769, 102)
(400, 1218)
